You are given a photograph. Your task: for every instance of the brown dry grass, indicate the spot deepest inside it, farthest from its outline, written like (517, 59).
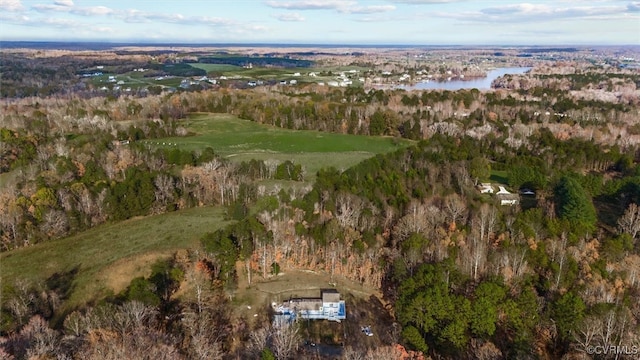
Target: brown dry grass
(118, 275)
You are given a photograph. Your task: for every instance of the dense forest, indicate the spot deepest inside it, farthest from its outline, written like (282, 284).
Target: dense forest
(464, 276)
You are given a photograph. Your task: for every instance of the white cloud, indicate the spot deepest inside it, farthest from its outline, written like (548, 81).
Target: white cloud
(311, 4)
(11, 5)
(137, 16)
(68, 3)
(134, 15)
(104, 29)
(425, 2)
(538, 10)
(634, 6)
(289, 17)
(60, 23)
(50, 7)
(369, 19)
(67, 25)
(530, 13)
(371, 9)
(211, 21)
(68, 7)
(16, 19)
(342, 6)
(93, 10)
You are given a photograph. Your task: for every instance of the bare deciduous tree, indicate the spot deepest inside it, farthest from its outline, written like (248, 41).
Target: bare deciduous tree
(384, 353)
(455, 208)
(414, 221)
(285, 340)
(42, 341)
(348, 208)
(164, 189)
(23, 302)
(353, 354)
(258, 341)
(55, 223)
(629, 222)
(204, 336)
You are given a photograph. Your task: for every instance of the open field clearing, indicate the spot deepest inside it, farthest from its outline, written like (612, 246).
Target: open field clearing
(364, 308)
(223, 68)
(242, 140)
(106, 258)
(294, 283)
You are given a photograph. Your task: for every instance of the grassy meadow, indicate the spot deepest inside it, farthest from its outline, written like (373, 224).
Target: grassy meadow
(242, 140)
(217, 67)
(273, 73)
(105, 259)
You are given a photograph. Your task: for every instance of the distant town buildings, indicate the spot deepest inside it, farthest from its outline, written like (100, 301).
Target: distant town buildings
(505, 197)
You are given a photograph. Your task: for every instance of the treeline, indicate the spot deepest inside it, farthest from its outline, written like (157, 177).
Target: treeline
(177, 69)
(264, 61)
(511, 117)
(26, 78)
(39, 75)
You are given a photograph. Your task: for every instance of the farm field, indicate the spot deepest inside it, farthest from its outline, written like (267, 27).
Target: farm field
(242, 140)
(263, 73)
(217, 67)
(105, 259)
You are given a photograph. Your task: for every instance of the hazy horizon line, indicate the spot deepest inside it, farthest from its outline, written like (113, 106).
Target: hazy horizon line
(296, 44)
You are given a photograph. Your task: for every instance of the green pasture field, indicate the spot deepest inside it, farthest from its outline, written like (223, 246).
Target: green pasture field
(242, 140)
(106, 258)
(499, 176)
(223, 68)
(278, 73)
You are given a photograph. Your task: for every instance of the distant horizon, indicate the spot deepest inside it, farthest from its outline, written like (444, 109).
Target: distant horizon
(321, 22)
(308, 44)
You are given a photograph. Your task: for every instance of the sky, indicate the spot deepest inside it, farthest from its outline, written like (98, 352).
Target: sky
(357, 22)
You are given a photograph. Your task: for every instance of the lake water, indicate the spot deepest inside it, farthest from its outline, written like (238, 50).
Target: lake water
(475, 83)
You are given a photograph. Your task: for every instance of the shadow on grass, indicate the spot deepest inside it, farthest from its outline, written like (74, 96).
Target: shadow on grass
(500, 177)
(62, 282)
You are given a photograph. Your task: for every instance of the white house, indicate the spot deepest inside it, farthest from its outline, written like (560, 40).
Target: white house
(485, 188)
(327, 307)
(509, 202)
(507, 198)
